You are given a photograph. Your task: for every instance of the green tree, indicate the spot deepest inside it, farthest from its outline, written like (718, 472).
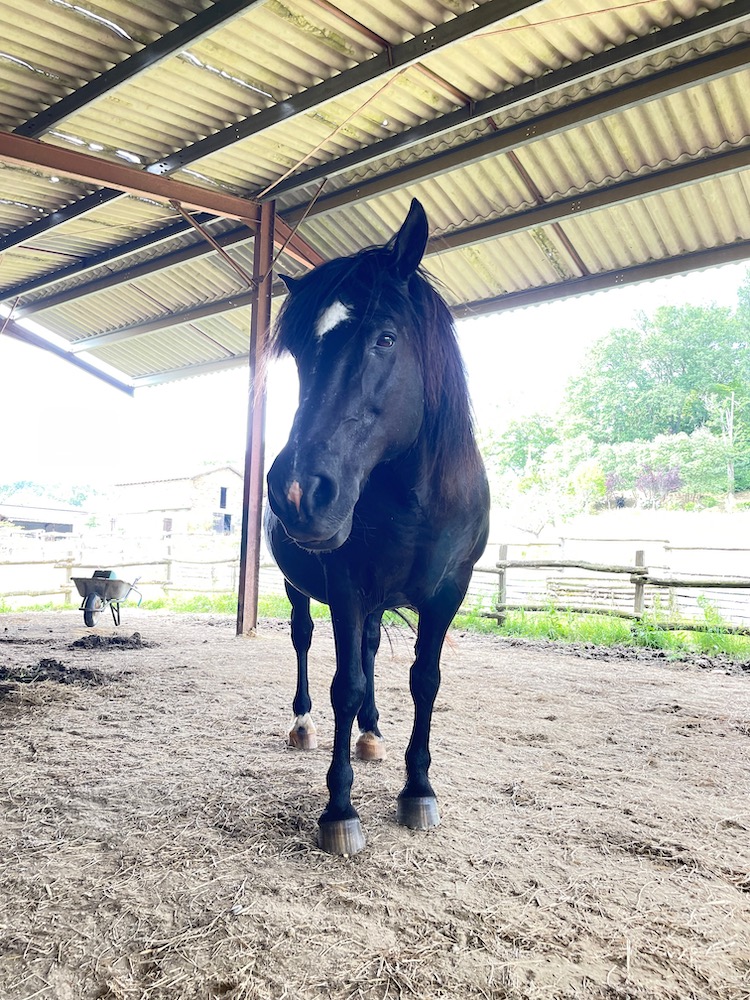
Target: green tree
(520, 447)
(655, 379)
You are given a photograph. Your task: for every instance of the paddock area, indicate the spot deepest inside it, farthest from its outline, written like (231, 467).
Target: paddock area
(157, 837)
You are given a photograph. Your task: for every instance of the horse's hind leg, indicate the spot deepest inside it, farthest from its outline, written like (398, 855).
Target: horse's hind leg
(302, 735)
(417, 806)
(370, 745)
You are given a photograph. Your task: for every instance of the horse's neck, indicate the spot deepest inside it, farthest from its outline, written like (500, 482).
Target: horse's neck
(412, 477)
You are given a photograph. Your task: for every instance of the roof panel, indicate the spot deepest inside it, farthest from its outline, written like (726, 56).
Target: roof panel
(182, 346)
(277, 50)
(50, 47)
(207, 279)
(676, 222)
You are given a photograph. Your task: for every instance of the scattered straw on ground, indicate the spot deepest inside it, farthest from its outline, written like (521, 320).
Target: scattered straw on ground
(157, 840)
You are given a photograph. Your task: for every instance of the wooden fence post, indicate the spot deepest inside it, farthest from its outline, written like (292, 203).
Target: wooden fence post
(501, 586)
(68, 585)
(640, 586)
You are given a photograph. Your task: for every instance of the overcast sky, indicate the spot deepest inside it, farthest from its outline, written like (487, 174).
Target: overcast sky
(58, 424)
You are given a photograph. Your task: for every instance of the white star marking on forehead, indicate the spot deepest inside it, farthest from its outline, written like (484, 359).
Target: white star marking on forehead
(336, 313)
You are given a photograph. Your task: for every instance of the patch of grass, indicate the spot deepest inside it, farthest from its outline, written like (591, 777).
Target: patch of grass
(557, 623)
(14, 609)
(196, 603)
(554, 623)
(269, 605)
(603, 630)
(645, 633)
(473, 620)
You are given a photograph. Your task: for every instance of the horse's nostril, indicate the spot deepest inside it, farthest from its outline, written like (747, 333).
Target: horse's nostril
(295, 494)
(321, 492)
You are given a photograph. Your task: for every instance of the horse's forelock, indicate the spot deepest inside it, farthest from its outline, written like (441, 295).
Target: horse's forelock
(356, 280)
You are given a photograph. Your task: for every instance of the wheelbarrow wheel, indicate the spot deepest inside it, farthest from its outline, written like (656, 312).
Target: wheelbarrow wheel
(92, 608)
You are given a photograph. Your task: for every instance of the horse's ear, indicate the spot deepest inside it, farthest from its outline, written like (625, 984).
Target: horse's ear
(408, 245)
(291, 283)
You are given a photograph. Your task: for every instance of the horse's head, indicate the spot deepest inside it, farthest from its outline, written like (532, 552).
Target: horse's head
(350, 326)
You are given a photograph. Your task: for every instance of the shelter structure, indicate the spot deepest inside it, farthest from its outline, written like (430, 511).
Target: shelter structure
(158, 162)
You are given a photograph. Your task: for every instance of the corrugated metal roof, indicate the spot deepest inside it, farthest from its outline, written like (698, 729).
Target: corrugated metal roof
(294, 91)
(51, 47)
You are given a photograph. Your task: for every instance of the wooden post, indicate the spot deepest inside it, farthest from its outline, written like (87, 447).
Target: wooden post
(68, 585)
(252, 496)
(640, 586)
(501, 586)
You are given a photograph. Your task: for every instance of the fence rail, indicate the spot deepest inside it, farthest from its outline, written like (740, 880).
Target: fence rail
(640, 577)
(566, 578)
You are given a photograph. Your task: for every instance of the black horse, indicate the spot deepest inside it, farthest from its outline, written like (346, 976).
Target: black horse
(379, 499)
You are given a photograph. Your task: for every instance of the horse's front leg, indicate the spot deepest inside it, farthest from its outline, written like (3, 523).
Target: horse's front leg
(303, 735)
(340, 831)
(417, 805)
(370, 745)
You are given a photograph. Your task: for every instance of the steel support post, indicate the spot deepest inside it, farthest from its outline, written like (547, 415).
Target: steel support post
(247, 608)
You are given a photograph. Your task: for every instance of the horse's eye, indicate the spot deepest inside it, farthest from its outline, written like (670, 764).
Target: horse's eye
(385, 340)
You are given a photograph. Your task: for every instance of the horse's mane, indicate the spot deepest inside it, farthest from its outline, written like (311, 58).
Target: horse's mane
(450, 450)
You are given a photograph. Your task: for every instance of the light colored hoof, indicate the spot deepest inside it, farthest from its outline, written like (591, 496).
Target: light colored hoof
(303, 735)
(418, 813)
(343, 836)
(369, 746)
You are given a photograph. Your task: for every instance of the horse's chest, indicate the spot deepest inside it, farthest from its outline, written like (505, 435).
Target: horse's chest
(399, 554)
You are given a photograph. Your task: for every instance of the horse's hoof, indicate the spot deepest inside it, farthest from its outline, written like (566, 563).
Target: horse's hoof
(342, 836)
(418, 813)
(370, 746)
(303, 735)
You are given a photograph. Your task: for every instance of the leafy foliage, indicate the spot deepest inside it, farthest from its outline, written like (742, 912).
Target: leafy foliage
(657, 378)
(522, 443)
(26, 490)
(659, 415)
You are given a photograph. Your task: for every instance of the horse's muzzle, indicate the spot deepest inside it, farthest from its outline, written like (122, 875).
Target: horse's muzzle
(309, 508)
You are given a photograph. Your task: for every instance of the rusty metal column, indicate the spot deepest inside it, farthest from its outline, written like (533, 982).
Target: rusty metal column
(247, 608)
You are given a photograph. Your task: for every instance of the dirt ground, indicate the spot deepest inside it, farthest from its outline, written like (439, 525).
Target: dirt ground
(157, 838)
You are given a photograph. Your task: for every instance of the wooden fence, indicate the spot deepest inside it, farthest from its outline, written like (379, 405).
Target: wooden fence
(563, 576)
(640, 591)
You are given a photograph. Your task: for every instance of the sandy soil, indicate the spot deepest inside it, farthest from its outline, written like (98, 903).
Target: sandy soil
(157, 838)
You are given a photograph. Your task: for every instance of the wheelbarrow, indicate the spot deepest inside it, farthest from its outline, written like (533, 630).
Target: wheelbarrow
(100, 591)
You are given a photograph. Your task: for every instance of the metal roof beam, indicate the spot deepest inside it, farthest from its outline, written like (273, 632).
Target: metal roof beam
(682, 264)
(614, 58)
(633, 189)
(238, 235)
(86, 204)
(153, 239)
(12, 329)
(22, 152)
(296, 248)
(698, 260)
(163, 322)
(395, 57)
(184, 35)
(551, 123)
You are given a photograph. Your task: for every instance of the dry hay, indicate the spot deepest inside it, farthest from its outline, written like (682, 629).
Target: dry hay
(157, 838)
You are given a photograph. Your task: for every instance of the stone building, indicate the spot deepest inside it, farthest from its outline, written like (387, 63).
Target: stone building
(208, 501)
